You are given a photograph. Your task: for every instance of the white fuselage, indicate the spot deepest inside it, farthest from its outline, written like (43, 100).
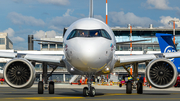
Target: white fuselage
(89, 55)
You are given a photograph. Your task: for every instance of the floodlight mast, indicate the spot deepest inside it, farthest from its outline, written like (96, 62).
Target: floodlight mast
(173, 28)
(106, 11)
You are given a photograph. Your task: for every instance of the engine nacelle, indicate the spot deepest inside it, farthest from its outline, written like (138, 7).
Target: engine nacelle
(19, 73)
(161, 73)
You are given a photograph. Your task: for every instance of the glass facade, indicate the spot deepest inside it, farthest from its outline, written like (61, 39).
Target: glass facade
(2, 41)
(59, 46)
(57, 77)
(142, 35)
(44, 45)
(52, 45)
(68, 77)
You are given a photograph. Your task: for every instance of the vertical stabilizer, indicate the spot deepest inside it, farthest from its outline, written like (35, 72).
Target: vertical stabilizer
(166, 45)
(91, 9)
(165, 42)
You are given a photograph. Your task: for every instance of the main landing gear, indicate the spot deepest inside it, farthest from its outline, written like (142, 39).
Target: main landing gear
(135, 84)
(89, 91)
(129, 87)
(42, 86)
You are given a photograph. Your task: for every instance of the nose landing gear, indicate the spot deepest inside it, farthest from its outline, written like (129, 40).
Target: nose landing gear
(89, 91)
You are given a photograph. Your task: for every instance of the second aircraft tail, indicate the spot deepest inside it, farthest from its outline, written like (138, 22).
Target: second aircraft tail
(166, 45)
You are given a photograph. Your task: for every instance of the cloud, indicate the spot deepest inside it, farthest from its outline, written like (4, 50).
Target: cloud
(159, 4)
(55, 2)
(17, 39)
(17, 1)
(99, 17)
(165, 21)
(68, 12)
(120, 18)
(11, 34)
(59, 22)
(20, 19)
(41, 34)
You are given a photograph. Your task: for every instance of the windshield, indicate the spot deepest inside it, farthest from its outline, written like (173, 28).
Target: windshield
(89, 33)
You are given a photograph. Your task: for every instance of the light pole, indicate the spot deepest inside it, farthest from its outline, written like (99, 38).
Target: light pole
(173, 28)
(130, 38)
(106, 11)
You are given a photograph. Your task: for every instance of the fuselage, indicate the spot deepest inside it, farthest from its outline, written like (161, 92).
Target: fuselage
(89, 46)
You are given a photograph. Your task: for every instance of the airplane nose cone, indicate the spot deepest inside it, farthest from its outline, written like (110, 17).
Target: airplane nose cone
(91, 54)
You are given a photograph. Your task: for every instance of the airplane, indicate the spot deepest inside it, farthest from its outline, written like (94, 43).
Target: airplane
(89, 49)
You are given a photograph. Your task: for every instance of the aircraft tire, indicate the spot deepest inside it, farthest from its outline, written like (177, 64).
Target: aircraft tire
(51, 87)
(120, 85)
(129, 87)
(139, 88)
(85, 91)
(92, 92)
(40, 87)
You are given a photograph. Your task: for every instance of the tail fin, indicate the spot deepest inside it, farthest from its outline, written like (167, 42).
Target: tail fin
(166, 45)
(165, 42)
(91, 9)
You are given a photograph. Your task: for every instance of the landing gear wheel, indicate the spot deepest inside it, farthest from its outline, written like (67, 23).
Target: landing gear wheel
(51, 87)
(40, 87)
(92, 92)
(85, 92)
(129, 87)
(139, 88)
(120, 85)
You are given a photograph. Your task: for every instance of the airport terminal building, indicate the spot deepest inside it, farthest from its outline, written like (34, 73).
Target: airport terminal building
(121, 34)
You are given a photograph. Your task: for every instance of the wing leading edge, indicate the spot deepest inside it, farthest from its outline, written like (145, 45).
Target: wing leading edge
(125, 60)
(51, 59)
(57, 42)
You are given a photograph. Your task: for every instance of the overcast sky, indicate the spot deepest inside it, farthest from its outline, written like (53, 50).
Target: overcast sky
(20, 18)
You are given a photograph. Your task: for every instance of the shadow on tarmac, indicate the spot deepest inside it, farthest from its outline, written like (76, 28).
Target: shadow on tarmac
(18, 94)
(156, 94)
(76, 94)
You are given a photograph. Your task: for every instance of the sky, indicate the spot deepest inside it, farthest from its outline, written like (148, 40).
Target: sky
(20, 18)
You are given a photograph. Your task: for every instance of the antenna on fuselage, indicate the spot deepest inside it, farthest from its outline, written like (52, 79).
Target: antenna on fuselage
(91, 9)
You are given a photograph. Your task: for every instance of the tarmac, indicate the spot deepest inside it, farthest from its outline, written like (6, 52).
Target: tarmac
(67, 92)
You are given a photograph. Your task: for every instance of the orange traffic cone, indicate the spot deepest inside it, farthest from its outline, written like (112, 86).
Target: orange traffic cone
(150, 86)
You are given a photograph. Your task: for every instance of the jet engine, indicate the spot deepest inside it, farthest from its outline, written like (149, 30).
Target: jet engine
(19, 73)
(161, 73)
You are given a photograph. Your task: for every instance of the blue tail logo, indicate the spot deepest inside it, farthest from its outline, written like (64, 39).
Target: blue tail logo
(169, 49)
(166, 45)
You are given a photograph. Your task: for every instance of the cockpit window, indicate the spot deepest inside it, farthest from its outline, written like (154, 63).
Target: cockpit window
(89, 33)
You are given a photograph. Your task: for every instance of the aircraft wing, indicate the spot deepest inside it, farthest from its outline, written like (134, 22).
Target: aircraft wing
(57, 42)
(130, 41)
(130, 59)
(50, 59)
(8, 55)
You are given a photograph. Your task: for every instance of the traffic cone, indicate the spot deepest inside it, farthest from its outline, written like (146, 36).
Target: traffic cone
(150, 86)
